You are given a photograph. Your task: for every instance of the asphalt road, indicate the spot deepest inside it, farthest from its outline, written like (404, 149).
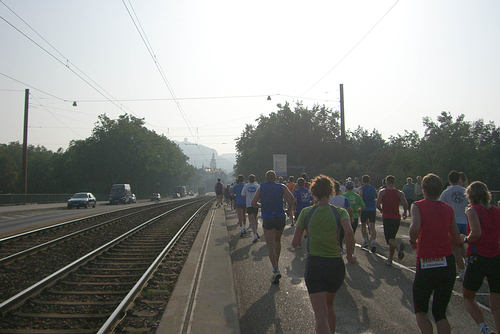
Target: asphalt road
(374, 298)
(17, 219)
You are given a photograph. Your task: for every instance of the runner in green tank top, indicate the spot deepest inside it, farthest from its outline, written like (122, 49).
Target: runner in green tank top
(325, 269)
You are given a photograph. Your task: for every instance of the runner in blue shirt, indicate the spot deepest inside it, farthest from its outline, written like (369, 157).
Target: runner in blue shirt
(369, 195)
(271, 195)
(302, 197)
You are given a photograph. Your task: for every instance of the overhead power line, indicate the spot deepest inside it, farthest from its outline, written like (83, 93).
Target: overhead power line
(33, 87)
(66, 62)
(351, 49)
(142, 33)
(57, 118)
(153, 99)
(60, 61)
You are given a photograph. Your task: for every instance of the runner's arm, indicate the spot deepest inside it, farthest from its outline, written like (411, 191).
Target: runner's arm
(457, 239)
(361, 204)
(403, 200)
(297, 237)
(289, 198)
(348, 207)
(379, 200)
(474, 225)
(349, 240)
(256, 198)
(415, 225)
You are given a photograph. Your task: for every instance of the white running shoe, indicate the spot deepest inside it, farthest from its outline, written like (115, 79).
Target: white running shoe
(255, 238)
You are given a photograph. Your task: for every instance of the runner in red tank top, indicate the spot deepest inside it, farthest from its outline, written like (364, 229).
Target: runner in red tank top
(483, 240)
(432, 224)
(388, 203)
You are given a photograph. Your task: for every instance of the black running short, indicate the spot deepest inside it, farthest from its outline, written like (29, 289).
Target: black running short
(324, 274)
(436, 281)
(277, 223)
(391, 227)
(479, 267)
(252, 211)
(368, 216)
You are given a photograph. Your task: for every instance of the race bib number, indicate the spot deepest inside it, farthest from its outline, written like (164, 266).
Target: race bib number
(437, 262)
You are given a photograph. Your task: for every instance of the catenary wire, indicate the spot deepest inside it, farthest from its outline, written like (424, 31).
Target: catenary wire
(351, 49)
(102, 91)
(151, 52)
(33, 87)
(62, 63)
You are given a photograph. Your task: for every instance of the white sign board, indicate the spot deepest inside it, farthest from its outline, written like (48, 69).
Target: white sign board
(279, 164)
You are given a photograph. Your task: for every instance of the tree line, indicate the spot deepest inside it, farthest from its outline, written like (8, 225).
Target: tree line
(311, 139)
(119, 150)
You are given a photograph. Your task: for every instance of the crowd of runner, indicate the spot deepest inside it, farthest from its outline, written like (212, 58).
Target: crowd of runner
(454, 231)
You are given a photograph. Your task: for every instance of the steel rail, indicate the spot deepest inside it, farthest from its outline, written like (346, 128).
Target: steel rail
(36, 248)
(22, 296)
(23, 234)
(120, 310)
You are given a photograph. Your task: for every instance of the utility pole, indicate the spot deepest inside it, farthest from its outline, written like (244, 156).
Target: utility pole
(25, 144)
(342, 120)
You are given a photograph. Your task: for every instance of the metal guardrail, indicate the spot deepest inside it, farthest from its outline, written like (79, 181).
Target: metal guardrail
(15, 199)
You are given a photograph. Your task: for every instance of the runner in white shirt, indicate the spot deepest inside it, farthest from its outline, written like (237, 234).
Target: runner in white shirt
(454, 196)
(248, 192)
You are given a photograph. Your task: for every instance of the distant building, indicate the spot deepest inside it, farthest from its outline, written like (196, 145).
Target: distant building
(213, 163)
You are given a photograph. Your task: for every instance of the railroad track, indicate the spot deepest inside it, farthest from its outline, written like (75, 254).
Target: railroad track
(12, 245)
(91, 294)
(46, 250)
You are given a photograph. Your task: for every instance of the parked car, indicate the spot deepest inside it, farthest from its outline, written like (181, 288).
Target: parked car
(120, 193)
(82, 200)
(156, 197)
(191, 193)
(133, 199)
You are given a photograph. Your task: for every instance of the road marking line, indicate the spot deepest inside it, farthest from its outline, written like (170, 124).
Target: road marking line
(414, 271)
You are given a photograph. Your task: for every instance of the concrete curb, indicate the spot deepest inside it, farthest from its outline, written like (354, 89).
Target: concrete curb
(204, 298)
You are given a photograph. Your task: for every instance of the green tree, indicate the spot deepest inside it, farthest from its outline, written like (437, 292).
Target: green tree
(310, 138)
(303, 134)
(124, 151)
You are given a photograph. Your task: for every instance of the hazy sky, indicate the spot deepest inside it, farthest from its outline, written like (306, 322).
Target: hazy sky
(423, 57)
